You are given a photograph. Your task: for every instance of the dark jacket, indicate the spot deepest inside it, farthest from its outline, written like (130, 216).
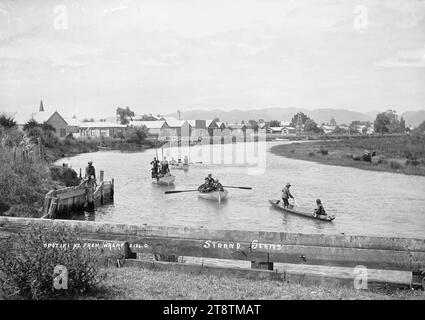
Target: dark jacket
(90, 171)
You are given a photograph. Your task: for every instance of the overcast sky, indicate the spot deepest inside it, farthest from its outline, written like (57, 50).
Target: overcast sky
(88, 57)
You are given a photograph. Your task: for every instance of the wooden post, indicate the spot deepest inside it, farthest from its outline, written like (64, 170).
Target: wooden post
(112, 189)
(262, 265)
(90, 196)
(102, 173)
(80, 173)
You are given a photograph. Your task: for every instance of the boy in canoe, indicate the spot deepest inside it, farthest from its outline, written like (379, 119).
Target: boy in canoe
(286, 194)
(319, 209)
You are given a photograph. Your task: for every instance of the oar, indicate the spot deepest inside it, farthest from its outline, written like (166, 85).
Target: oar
(245, 188)
(178, 191)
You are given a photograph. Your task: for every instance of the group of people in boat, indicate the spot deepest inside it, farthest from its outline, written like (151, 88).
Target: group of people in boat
(179, 162)
(210, 184)
(160, 168)
(286, 195)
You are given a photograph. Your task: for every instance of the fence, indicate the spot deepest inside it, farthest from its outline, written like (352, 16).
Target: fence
(288, 257)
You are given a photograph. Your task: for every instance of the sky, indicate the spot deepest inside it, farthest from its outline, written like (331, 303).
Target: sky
(89, 57)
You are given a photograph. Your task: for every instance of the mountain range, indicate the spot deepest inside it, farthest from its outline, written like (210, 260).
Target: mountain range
(322, 115)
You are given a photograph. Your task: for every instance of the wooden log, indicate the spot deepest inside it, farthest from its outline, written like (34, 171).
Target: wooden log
(282, 238)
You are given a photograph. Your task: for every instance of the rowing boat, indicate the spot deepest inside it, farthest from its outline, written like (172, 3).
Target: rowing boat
(214, 195)
(180, 166)
(302, 212)
(164, 180)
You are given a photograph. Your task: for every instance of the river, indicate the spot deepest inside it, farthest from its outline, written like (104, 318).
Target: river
(364, 202)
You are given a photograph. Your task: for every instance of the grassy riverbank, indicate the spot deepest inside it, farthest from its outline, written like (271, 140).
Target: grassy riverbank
(134, 283)
(402, 154)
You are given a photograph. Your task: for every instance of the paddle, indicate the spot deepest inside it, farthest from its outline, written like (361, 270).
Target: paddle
(245, 188)
(179, 191)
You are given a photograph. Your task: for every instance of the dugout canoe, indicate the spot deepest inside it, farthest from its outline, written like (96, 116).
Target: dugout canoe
(301, 212)
(214, 195)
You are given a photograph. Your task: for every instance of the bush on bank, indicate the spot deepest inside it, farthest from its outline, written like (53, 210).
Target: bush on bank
(27, 266)
(23, 185)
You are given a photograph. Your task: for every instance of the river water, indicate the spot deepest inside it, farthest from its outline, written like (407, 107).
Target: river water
(364, 202)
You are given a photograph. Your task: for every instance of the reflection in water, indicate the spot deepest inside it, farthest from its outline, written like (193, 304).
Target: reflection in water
(365, 202)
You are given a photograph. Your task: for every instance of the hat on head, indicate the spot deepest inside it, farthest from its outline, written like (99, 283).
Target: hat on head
(288, 184)
(318, 201)
(90, 162)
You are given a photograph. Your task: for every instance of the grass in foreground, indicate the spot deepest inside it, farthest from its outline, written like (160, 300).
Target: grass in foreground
(135, 283)
(393, 154)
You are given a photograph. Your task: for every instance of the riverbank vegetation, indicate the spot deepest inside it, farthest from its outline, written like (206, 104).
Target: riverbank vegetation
(25, 178)
(27, 265)
(400, 154)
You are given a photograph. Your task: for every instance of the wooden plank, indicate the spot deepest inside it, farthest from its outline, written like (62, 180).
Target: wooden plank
(344, 257)
(283, 238)
(306, 275)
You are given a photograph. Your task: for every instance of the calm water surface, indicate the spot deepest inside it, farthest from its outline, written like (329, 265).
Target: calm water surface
(365, 202)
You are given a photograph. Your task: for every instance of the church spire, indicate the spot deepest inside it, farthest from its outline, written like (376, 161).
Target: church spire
(41, 106)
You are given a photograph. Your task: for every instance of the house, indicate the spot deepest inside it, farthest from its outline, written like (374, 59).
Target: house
(220, 125)
(328, 129)
(180, 129)
(238, 128)
(156, 129)
(102, 129)
(287, 130)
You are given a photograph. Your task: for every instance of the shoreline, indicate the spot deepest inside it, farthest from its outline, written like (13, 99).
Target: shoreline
(349, 154)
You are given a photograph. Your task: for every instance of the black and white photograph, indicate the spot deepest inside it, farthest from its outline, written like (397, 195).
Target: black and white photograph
(211, 155)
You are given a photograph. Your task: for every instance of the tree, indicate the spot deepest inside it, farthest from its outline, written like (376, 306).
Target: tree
(274, 123)
(294, 120)
(7, 122)
(311, 126)
(31, 124)
(138, 135)
(387, 122)
(253, 124)
(339, 130)
(124, 114)
(332, 122)
(217, 119)
(402, 125)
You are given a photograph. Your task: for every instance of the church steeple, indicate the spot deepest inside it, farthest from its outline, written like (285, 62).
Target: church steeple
(41, 106)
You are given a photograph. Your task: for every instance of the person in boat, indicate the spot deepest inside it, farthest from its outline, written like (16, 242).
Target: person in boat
(218, 186)
(186, 161)
(164, 166)
(179, 162)
(286, 194)
(205, 187)
(155, 167)
(173, 162)
(210, 179)
(319, 209)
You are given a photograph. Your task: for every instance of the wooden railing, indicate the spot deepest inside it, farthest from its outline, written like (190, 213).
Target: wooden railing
(289, 257)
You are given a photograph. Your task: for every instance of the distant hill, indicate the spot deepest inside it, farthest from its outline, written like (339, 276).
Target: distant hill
(319, 115)
(414, 118)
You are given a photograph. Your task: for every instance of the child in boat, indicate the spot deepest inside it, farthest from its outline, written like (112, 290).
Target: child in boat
(218, 186)
(319, 210)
